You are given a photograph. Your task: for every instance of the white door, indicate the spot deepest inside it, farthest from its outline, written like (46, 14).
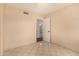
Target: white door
(46, 29)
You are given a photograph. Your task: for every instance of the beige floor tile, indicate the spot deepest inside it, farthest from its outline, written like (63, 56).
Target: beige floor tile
(42, 48)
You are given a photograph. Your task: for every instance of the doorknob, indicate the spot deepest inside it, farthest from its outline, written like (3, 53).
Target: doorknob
(48, 31)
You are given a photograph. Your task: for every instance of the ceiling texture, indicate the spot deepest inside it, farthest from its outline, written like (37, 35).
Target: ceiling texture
(40, 8)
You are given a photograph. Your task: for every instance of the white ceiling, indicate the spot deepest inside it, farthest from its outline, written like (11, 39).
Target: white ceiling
(40, 8)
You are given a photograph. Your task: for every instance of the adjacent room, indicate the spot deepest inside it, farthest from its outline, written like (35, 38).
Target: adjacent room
(39, 29)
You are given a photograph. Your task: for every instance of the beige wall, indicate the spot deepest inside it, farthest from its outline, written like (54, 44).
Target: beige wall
(19, 29)
(65, 27)
(1, 19)
(0, 29)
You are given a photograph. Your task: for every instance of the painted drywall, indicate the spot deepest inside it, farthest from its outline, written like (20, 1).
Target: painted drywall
(0, 29)
(1, 19)
(19, 28)
(65, 27)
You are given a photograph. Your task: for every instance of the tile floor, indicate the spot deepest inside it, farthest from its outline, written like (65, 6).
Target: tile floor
(40, 49)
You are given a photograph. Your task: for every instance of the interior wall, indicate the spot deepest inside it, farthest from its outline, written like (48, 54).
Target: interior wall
(19, 28)
(0, 37)
(65, 27)
(0, 29)
(1, 19)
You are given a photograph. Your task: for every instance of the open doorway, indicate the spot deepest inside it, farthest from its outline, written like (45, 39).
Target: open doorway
(43, 30)
(39, 30)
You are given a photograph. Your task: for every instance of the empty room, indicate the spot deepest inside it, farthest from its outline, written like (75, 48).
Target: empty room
(39, 29)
